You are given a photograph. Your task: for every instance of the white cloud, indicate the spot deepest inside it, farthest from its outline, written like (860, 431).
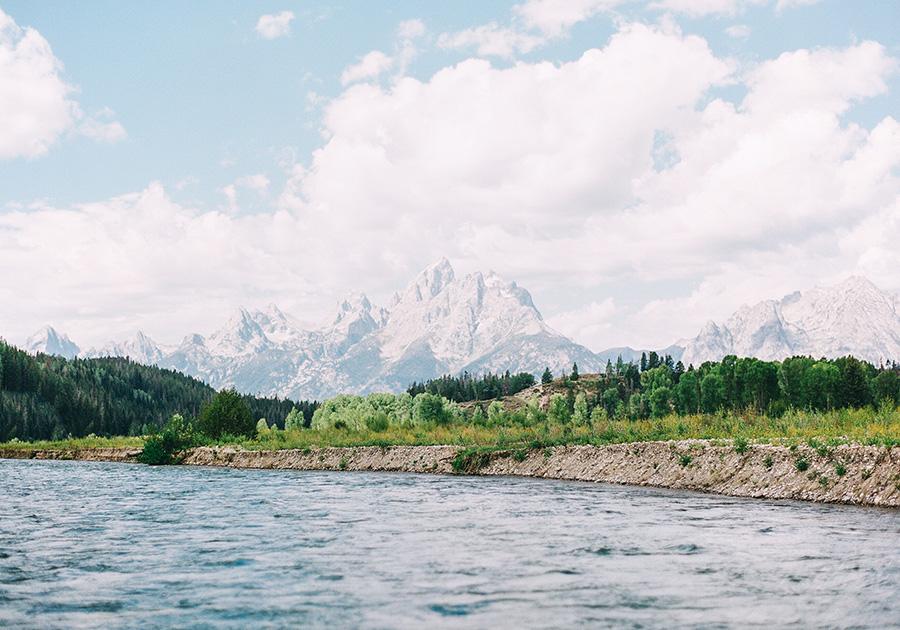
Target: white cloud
(274, 26)
(542, 171)
(555, 17)
(376, 63)
(491, 40)
(36, 107)
(141, 260)
(35, 104)
(738, 31)
(411, 29)
(701, 8)
(103, 127)
(591, 325)
(371, 65)
(258, 183)
(535, 23)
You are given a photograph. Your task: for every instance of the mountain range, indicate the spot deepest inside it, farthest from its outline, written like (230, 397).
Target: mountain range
(441, 323)
(854, 317)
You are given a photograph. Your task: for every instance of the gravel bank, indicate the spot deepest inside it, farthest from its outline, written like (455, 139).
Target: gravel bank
(854, 474)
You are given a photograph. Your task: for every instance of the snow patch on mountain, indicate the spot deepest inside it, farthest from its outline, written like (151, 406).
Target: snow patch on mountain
(854, 317)
(48, 341)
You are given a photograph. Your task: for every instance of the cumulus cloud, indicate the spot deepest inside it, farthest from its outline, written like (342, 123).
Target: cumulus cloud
(142, 260)
(36, 104)
(534, 23)
(544, 172)
(258, 183)
(36, 107)
(103, 127)
(275, 25)
(371, 65)
(555, 17)
(376, 63)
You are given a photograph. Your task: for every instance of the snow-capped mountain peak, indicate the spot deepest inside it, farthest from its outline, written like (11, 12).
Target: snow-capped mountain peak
(139, 348)
(48, 341)
(242, 334)
(852, 317)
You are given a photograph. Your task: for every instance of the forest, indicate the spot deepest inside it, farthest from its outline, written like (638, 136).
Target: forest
(466, 387)
(46, 397)
(659, 386)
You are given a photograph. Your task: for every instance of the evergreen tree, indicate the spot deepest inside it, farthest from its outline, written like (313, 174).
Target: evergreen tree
(547, 376)
(574, 374)
(226, 414)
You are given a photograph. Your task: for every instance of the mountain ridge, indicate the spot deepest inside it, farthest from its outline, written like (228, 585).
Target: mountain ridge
(440, 323)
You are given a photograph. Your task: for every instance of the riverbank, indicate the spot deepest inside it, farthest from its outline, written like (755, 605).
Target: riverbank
(848, 473)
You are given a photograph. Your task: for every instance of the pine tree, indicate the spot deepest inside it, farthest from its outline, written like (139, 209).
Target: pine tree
(574, 375)
(547, 376)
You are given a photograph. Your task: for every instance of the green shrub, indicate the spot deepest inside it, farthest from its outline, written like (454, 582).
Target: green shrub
(741, 445)
(840, 470)
(158, 451)
(160, 448)
(685, 460)
(429, 408)
(801, 464)
(378, 423)
(294, 420)
(768, 461)
(495, 412)
(226, 413)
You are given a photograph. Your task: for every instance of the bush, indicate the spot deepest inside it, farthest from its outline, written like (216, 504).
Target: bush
(294, 420)
(740, 445)
(377, 423)
(160, 448)
(226, 413)
(801, 464)
(428, 408)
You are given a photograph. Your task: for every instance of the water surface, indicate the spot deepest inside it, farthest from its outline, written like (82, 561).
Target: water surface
(93, 544)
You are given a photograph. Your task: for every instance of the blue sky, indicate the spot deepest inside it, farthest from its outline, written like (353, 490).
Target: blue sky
(225, 124)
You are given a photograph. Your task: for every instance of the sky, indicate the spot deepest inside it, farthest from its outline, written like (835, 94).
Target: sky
(640, 166)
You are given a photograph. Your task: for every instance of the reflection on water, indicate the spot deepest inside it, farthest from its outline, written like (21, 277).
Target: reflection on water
(117, 545)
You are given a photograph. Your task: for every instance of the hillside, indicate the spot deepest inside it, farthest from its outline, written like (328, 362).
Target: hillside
(47, 397)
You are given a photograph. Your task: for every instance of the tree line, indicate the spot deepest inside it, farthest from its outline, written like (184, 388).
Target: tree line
(659, 386)
(46, 397)
(466, 387)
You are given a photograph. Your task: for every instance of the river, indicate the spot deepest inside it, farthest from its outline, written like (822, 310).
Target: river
(86, 544)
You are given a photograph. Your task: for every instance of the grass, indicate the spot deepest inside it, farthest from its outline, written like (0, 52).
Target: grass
(822, 431)
(90, 441)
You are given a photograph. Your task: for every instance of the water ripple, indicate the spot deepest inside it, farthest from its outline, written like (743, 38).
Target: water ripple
(121, 546)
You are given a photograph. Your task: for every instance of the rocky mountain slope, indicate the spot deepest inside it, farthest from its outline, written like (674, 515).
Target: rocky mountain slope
(49, 341)
(444, 324)
(438, 324)
(854, 317)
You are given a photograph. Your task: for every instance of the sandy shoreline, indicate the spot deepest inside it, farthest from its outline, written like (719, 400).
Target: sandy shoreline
(851, 474)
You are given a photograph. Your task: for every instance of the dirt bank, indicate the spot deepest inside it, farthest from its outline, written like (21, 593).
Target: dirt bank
(864, 475)
(80, 454)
